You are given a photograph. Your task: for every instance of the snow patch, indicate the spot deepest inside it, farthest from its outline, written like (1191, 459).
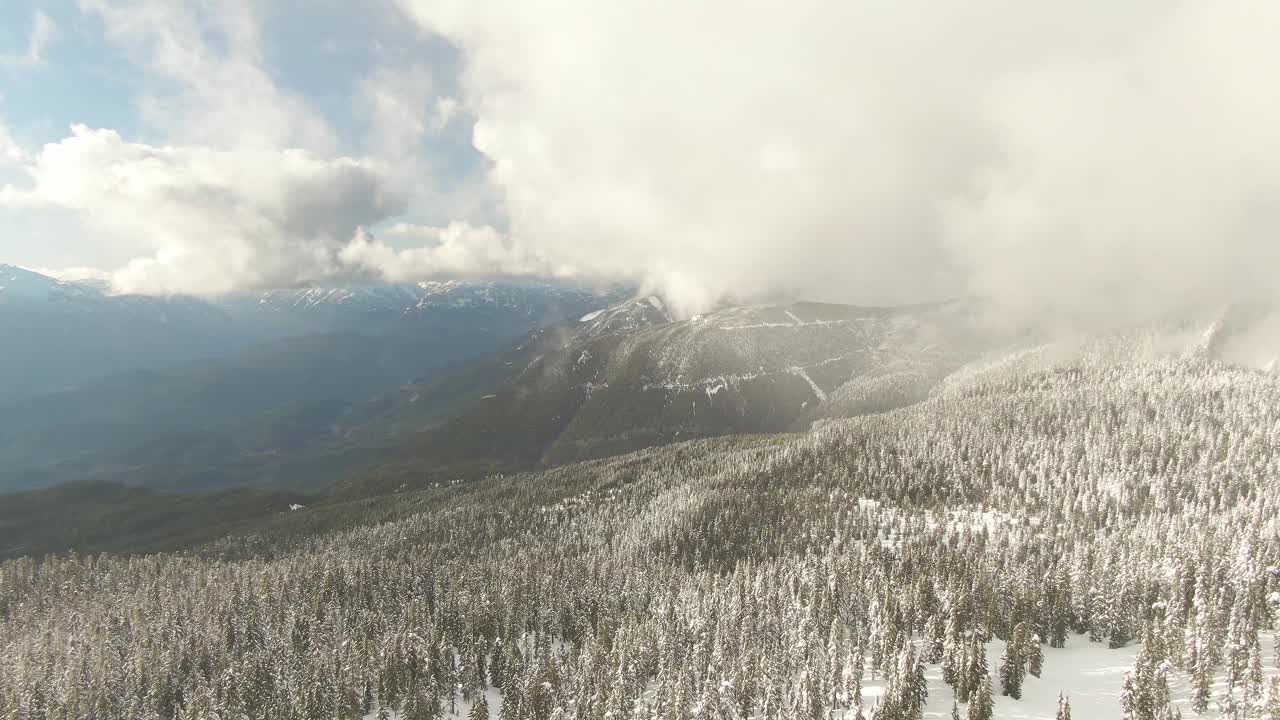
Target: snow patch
(799, 372)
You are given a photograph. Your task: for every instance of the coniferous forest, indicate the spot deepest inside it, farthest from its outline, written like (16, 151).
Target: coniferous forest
(933, 560)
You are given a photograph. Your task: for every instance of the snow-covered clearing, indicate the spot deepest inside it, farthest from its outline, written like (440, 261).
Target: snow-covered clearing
(1089, 674)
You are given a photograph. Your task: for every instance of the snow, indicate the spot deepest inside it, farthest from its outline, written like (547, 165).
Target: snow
(793, 317)
(1089, 674)
(817, 391)
(488, 397)
(656, 303)
(462, 709)
(590, 316)
(296, 506)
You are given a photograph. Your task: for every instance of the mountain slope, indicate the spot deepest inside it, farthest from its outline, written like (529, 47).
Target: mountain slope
(107, 517)
(60, 335)
(1038, 511)
(589, 391)
(187, 393)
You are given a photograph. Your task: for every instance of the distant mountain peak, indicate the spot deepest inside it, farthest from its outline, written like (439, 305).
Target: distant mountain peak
(405, 298)
(634, 314)
(19, 283)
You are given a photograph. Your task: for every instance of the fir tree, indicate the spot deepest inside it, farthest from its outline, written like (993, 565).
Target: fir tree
(983, 705)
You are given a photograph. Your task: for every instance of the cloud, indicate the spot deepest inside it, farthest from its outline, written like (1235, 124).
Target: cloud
(397, 102)
(210, 84)
(11, 154)
(458, 250)
(43, 31)
(1082, 155)
(213, 220)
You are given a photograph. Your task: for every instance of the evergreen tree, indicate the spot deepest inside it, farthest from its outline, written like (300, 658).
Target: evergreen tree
(479, 708)
(1035, 656)
(983, 705)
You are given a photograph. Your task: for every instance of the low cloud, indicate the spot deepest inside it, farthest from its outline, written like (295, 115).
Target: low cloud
(1087, 156)
(1101, 159)
(213, 220)
(458, 250)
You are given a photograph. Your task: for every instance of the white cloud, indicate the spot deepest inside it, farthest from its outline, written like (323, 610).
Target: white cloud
(209, 59)
(76, 274)
(397, 103)
(458, 250)
(883, 151)
(214, 220)
(11, 154)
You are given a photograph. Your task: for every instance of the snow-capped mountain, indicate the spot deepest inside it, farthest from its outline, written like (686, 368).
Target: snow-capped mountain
(22, 285)
(630, 316)
(629, 376)
(410, 297)
(59, 334)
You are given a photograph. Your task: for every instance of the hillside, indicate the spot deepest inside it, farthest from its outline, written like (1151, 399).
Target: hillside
(248, 389)
(61, 335)
(623, 380)
(1030, 516)
(107, 517)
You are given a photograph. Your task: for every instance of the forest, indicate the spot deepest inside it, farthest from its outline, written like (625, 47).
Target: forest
(1025, 505)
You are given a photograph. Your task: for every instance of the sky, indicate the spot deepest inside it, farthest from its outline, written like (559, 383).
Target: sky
(1101, 157)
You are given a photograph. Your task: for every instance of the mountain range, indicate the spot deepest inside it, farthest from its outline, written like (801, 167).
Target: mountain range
(183, 392)
(365, 390)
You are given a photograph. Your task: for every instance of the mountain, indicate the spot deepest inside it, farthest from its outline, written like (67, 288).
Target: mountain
(630, 377)
(1097, 522)
(498, 305)
(630, 316)
(417, 406)
(59, 335)
(187, 393)
(125, 518)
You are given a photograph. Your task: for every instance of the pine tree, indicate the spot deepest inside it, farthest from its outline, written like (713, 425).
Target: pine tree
(1035, 656)
(983, 705)
(1270, 709)
(1200, 687)
(1227, 706)
(1012, 665)
(1129, 698)
(479, 708)
(1064, 707)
